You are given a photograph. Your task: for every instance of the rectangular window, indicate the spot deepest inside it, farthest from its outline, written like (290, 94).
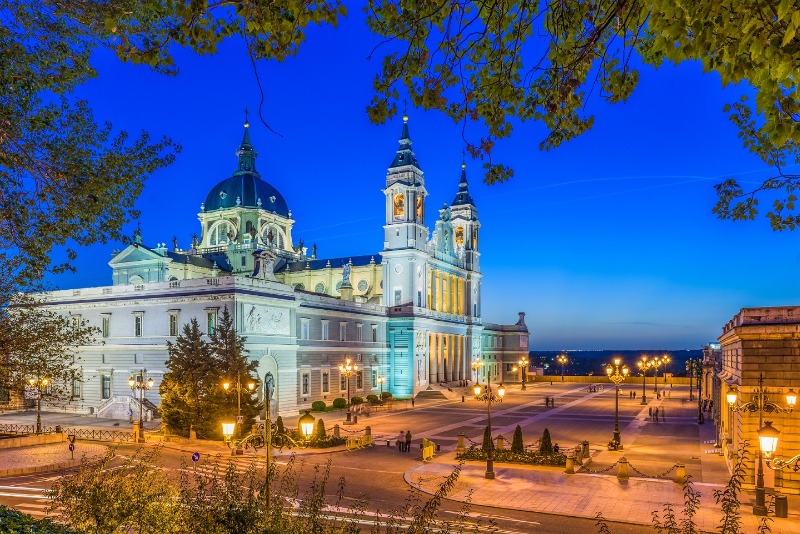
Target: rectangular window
(173, 324)
(106, 386)
(244, 261)
(374, 332)
(326, 384)
(374, 378)
(342, 331)
(211, 322)
(76, 388)
(342, 383)
(324, 335)
(106, 324)
(76, 322)
(359, 332)
(304, 328)
(419, 299)
(359, 379)
(398, 295)
(306, 382)
(138, 323)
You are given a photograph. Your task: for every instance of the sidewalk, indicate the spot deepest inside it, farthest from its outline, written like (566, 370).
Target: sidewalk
(44, 458)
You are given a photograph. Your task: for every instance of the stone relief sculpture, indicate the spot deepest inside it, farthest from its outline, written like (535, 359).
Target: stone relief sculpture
(267, 320)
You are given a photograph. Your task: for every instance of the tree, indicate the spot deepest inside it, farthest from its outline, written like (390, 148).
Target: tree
(487, 444)
(40, 347)
(517, 446)
(546, 444)
(231, 362)
(189, 388)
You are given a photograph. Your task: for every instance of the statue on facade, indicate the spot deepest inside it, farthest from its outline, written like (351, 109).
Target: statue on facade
(346, 274)
(253, 233)
(174, 242)
(314, 250)
(194, 241)
(270, 237)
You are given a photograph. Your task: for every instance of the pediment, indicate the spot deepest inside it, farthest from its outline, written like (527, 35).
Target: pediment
(134, 254)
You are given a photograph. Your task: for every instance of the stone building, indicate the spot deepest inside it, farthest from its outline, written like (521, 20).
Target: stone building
(409, 314)
(760, 342)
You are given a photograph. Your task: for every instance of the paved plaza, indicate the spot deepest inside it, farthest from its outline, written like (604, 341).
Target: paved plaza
(651, 447)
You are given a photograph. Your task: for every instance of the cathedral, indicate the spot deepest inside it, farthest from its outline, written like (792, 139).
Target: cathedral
(409, 315)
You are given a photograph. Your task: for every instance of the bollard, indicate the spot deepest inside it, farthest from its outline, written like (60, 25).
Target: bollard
(460, 446)
(586, 449)
(622, 474)
(462, 398)
(500, 442)
(680, 473)
(570, 467)
(355, 419)
(368, 431)
(781, 506)
(579, 455)
(336, 430)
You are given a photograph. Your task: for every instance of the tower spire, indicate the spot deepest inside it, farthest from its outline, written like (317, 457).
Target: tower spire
(246, 153)
(405, 156)
(463, 197)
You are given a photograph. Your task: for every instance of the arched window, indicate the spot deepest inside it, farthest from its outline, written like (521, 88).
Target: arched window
(459, 236)
(399, 205)
(219, 233)
(273, 235)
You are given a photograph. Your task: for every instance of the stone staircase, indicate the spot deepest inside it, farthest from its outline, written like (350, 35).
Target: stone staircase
(439, 392)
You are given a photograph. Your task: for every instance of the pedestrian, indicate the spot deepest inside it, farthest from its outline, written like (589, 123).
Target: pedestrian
(408, 441)
(401, 441)
(663, 416)
(650, 410)
(655, 413)
(634, 394)
(412, 402)
(556, 448)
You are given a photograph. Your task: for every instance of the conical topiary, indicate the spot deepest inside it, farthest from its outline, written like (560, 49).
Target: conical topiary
(516, 444)
(320, 433)
(487, 440)
(546, 445)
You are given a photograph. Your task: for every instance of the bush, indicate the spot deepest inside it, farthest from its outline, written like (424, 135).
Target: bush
(546, 445)
(357, 400)
(487, 440)
(280, 429)
(318, 406)
(339, 403)
(14, 521)
(517, 446)
(320, 431)
(373, 399)
(511, 457)
(386, 395)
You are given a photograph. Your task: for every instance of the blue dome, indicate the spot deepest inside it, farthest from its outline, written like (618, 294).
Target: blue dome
(248, 188)
(246, 185)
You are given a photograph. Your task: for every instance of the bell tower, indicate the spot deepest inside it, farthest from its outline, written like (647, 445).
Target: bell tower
(405, 199)
(465, 222)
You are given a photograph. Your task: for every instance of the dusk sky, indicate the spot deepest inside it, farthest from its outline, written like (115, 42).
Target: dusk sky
(607, 242)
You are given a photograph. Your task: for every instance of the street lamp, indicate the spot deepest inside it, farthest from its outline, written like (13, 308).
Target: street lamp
(251, 386)
(306, 425)
(523, 364)
(655, 363)
(692, 364)
(761, 405)
(665, 360)
(489, 397)
(617, 375)
(227, 430)
(562, 359)
(39, 383)
(381, 380)
(348, 369)
(269, 390)
(137, 382)
(644, 364)
(477, 364)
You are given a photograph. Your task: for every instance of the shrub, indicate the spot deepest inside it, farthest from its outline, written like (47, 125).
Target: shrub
(318, 406)
(386, 395)
(320, 431)
(373, 399)
(546, 445)
(339, 403)
(357, 400)
(517, 446)
(487, 440)
(279, 428)
(511, 457)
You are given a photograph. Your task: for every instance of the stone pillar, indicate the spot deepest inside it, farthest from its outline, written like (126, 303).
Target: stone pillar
(570, 466)
(622, 474)
(336, 430)
(439, 362)
(432, 367)
(585, 449)
(579, 455)
(500, 442)
(460, 447)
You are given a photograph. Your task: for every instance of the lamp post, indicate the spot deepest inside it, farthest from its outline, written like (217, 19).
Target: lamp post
(562, 359)
(137, 382)
(269, 389)
(617, 375)
(489, 397)
(655, 362)
(665, 360)
(476, 366)
(691, 364)
(644, 365)
(306, 425)
(250, 386)
(348, 369)
(39, 383)
(381, 380)
(761, 405)
(523, 365)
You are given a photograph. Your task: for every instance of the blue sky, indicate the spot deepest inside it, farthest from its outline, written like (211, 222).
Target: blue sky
(607, 242)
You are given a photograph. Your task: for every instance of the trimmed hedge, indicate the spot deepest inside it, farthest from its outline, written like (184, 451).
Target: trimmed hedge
(318, 406)
(339, 403)
(508, 456)
(357, 400)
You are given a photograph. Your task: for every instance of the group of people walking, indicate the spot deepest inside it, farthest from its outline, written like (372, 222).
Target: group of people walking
(404, 441)
(550, 402)
(655, 412)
